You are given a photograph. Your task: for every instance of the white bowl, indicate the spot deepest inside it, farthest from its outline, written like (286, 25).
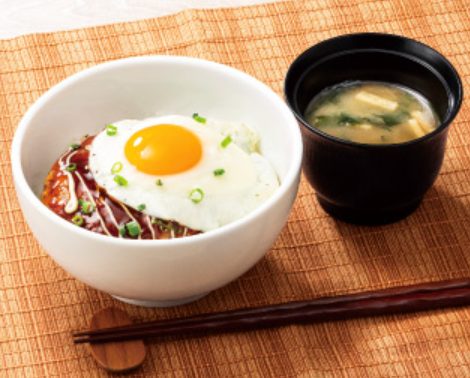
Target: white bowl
(155, 272)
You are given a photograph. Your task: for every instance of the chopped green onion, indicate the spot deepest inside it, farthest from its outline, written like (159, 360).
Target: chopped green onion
(141, 207)
(219, 172)
(159, 182)
(85, 206)
(122, 231)
(196, 195)
(162, 225)
(133, 228)
(198, 118)
(121, 181)
(111, 130)
(77, 220)
(71, 167)
(74, 146)
(226, 141)
(117, 167)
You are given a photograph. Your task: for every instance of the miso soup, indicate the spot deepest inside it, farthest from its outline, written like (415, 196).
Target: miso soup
(372, 113)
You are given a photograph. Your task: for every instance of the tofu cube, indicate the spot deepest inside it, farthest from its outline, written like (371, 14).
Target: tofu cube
(415, 128)
(375, 100)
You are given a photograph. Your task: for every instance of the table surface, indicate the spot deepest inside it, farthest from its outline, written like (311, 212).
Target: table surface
(35, 16)
(314, 256)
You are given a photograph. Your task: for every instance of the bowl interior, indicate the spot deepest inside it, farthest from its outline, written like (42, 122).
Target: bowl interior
(137, 88)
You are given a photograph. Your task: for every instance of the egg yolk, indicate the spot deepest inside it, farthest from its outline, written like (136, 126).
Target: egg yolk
(163, 149)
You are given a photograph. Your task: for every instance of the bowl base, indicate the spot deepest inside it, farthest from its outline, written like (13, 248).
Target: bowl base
(170, 303)
(368, 217)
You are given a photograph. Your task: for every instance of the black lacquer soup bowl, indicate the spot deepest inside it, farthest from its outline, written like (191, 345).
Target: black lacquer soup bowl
(371, 183)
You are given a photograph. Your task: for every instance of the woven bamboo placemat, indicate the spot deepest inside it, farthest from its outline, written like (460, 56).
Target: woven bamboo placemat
(314, 256)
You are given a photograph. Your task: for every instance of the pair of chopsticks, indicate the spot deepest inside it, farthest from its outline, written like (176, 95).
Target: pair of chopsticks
(419, 297)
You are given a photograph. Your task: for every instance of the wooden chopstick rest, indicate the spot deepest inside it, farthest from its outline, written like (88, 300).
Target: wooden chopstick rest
(116, 356)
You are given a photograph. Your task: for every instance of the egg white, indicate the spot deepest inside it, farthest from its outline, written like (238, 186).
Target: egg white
(248, 180)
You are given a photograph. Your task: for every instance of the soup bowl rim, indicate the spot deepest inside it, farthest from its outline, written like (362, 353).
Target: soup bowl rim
(451, 113)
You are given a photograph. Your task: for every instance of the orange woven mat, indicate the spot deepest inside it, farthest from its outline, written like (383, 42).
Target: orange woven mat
(314, 256)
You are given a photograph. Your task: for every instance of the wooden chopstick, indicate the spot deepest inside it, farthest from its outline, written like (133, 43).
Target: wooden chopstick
(384, 293)
(386, 301)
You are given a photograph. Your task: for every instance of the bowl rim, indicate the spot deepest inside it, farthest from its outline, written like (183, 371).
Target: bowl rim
(450, 115)
(290, 176)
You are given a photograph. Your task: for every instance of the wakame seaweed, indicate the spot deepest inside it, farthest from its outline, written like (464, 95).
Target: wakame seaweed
(345, 119)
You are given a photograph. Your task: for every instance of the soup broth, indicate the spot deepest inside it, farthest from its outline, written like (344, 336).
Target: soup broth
(372, 113)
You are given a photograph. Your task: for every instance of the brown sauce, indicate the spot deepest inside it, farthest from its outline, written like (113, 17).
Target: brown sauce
(106, 215)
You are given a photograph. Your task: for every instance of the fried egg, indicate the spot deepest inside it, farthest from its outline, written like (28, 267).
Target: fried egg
(202, 175)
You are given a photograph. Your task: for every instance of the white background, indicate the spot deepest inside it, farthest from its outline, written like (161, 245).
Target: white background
(19, 17)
